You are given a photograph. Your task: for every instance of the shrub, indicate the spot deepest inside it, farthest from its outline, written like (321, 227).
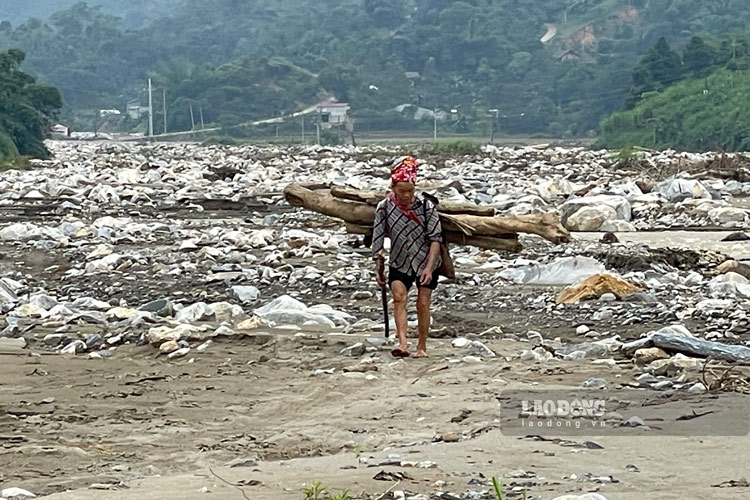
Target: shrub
(459, 146)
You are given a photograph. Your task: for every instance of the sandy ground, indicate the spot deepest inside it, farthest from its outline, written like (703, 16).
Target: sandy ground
(154, 429)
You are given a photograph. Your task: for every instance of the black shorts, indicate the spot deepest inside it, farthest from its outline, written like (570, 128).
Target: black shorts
(409, 279)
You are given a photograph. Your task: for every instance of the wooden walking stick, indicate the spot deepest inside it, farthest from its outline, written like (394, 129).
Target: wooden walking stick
(384, 295)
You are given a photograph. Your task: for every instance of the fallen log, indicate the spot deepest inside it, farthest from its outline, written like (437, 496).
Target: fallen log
(506, 243)
(298, 195)
(445, 206)
(363, 214)
(702, 348)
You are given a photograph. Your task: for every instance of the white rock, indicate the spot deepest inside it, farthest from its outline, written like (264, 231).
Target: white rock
(74, 347)
(729, 216)
(104, 264)
(28, 311)
(224, 311)
(195, 312)
(564, 271)
(262, 238)
(730, 277)
(618, 203)
(252, 323)
(678, 189)
(89, 303)
(7, 292)
(21, 231)
(169, 347)
(460, 342)
(617, 226)
(285, 310)
(713, 306)
(590, 218)
(42, 300)
(480, 350)
(678, 330)
(16, 494)
(245, 294)
(537, 355)
(178, 353)
(697, 388)
(100, 251)
(160, 334)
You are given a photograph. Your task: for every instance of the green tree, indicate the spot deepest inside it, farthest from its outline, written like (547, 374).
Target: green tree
(340, 80)
(699, 58)
(660, 67)
(26, 108)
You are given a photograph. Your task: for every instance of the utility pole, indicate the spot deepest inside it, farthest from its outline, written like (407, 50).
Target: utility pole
(317, 128)
(495, 112)
(434, 119)
(164, 107)
(201, 112)
(192, 118)
(303, 129)
(150, 111)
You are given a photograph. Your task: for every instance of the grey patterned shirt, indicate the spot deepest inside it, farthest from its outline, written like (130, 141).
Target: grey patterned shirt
(409, 246)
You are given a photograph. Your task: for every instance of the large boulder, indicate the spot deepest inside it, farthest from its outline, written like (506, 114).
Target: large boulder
(681, 189)
(729, 216)
(618, 203)
(590, 218)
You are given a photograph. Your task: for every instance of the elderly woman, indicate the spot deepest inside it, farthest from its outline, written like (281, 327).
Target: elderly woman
(412, 224)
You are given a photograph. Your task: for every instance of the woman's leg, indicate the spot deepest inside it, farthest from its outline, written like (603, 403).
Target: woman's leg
(424, 295)
(399, 292)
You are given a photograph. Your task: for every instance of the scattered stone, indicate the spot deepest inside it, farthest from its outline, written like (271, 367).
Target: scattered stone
(594, 383)
(590, 218)
(738, 236)
(460, 342)
(12, 346)
(16, 494)
(697, 388)
(645, 356)
(242, 462)
(634, 421)
(245, 294)
(355, 350)
(480, 350)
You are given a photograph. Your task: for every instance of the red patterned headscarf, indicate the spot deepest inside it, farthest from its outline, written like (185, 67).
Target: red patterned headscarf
(404, 170)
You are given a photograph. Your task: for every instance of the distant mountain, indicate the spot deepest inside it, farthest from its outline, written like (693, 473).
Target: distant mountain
(533, 66)
(135, 14)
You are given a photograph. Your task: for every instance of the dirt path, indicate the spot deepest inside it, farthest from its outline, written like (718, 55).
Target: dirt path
(68, 423)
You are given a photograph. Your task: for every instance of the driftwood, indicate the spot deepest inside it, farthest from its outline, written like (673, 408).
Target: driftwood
(467, 226)
(507, 243)
(445, 207)
(702, 348)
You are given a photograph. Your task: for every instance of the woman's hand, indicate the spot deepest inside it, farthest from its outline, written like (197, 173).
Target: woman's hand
(426, 277)
(380, 272)
(380, 278)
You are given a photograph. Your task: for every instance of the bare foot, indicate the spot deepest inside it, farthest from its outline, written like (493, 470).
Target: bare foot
(400, 353)
(421, 353)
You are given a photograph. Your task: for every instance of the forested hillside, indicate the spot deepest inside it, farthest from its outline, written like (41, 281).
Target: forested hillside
(134, 14)
(695, 100)
(549, 66)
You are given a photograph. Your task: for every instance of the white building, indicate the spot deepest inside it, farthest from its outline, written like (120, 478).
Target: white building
(332, 113)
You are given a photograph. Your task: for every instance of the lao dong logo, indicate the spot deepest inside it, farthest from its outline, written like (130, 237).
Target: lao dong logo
(562, 408)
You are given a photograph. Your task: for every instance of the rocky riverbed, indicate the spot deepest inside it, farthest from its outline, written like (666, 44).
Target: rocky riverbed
(171, 326)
